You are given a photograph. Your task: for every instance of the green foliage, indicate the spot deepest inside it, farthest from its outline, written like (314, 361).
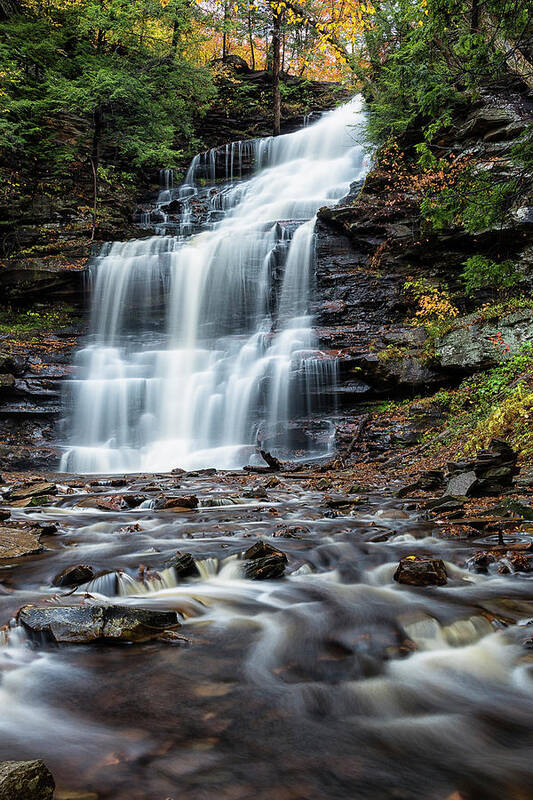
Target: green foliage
(53, 318)
(95, 84)
(481, 272)
(494, 403)
(475, 200)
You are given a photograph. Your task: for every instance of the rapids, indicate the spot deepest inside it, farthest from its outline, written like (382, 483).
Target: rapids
(332, 682)
(201, 345)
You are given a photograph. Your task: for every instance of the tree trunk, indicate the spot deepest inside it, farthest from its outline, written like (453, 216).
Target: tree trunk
(474, 16)
(251, 38)
(276, 68)
(225, 31)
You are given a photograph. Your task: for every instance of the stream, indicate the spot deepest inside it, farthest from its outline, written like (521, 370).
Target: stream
(334, 681)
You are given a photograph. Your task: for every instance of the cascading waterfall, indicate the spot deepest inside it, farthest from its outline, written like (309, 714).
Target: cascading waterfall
(202, 346)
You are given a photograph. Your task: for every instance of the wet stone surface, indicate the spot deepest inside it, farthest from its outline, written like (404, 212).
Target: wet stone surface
(327, 679)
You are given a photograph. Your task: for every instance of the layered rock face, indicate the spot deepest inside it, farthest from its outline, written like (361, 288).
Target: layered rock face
(368, 247)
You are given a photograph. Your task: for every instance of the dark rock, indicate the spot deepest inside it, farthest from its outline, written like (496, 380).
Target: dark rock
(88, 624)
(264, 561)
(507, 562)
(258, 492)
(16, 542)
(33, 490)
(74, 575)
(183, 565)
(463, 484)
(446, 503)
(4, 514)
(421, 571)
(132, 500)
(163, 503)
(26, 780)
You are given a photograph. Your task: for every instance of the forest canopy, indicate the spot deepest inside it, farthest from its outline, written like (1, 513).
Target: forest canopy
(112, 88)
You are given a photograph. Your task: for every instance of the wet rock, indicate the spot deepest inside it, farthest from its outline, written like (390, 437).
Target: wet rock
(33, 490)
(15, 542)
(88, 624)
(74, 575)
(4, 515)
(132, 500)
(463, 484)
(26, 780)
(421, 571)
(291, 531)
(264, 562)
(257, 492)
(339, 500)
(392, 513)
(183, 565)
(163, 503)
(507, 562)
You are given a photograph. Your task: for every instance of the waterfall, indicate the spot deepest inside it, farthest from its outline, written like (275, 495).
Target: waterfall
(201, 346)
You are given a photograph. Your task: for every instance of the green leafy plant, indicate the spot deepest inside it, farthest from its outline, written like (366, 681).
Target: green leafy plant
(481, 272)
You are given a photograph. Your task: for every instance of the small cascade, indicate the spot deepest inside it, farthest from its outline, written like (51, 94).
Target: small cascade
(201, 346)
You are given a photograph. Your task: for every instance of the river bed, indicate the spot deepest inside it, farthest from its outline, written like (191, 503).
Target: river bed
(334, 681)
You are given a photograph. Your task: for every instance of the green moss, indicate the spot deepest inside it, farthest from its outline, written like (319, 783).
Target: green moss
(51, 318)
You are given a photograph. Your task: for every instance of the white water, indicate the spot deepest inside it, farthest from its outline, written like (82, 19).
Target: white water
(235, 358)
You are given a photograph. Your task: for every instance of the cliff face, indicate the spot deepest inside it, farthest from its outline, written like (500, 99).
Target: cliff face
(374, 241)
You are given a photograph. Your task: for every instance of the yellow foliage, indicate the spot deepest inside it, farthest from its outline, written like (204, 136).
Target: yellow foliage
(510, 420)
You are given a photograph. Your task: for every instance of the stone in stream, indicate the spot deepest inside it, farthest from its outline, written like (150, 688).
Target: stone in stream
(257, 492)
(74, 575)
(264, 562)
(26, 780)
(15, 542)
(163, 503)
(183, 565)
(33, 490)
(4, 514)
(421, 571)
(95, 624)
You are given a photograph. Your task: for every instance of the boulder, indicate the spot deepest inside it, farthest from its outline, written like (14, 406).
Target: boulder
(421, 571)
(462, 484)
(26, 780)
(183, 565)
(90, 624)
(16, 542)
(33, 490)
(263, 562)
(74, 575)
(478, 344)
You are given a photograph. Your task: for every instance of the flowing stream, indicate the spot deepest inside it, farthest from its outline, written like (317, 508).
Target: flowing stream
(201, 344)
(333, 682)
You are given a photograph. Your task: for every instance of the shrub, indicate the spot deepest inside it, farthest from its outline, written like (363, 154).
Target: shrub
(481, 273)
